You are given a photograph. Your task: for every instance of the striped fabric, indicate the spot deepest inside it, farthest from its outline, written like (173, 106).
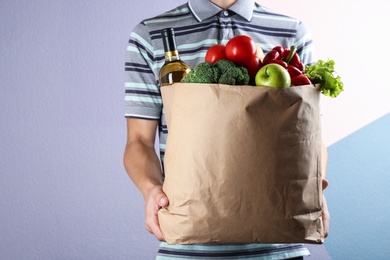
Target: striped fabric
(252, 251)
(198, 25)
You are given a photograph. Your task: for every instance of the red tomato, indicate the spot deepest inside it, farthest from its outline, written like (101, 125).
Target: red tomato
(216, 53)
(241, 49)
(253, 66)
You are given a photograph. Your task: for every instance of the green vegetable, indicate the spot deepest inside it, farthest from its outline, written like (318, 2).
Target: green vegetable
(224, 65)
(323, 73)
(235, 76)
(204, 72)
(222, 72)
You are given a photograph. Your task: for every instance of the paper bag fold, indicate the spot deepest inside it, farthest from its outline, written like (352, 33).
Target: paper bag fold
(242, 165)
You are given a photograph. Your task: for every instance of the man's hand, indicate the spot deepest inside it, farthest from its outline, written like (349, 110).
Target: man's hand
(325, 211)
(154, 201)
(143, 166)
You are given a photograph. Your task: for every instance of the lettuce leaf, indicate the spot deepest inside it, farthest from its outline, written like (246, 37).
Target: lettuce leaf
(323, 73)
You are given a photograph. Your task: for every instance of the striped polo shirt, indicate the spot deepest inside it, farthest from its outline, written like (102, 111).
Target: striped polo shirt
(198, 25)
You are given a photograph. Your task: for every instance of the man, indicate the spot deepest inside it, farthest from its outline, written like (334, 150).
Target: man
(198, 24)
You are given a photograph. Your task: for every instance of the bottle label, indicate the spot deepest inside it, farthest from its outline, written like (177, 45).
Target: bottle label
(172, 53)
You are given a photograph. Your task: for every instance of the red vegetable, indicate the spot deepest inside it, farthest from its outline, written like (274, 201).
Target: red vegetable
(300, 80)
(293, 71)
(295, 60)
(253, 66)
(241, 49)
(292, 58)
(271, 55)
(280, 62)
(216, 53)
(301, 67)
(279, 49)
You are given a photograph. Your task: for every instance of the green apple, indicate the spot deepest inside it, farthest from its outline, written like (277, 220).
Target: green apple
(273, 75)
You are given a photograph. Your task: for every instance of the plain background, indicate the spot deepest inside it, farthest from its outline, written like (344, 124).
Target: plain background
(64, 193)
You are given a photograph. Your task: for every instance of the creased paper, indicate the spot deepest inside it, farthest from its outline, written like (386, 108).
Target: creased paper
(242, 165)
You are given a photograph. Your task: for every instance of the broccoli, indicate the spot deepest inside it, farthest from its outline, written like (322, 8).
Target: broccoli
(232, 74)
(222, 72)
(224, 65)
(204, 72)
(235, 76)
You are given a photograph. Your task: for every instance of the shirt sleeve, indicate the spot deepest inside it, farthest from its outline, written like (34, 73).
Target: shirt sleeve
(304, 44)
(142, 94)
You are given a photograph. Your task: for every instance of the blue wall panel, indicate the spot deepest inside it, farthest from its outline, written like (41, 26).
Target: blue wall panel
(359, 195)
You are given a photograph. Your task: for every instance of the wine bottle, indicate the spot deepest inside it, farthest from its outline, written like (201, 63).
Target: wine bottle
(174, 69)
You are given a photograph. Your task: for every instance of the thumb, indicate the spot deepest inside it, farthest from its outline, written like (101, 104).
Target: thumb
(161, 199)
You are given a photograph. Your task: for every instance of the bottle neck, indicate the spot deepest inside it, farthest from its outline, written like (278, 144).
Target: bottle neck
(172, 56)
(169, 41)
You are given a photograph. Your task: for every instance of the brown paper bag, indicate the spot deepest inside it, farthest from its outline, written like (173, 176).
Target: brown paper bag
(242, 165)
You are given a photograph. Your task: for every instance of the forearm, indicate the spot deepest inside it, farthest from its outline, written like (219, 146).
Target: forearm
(142, 165)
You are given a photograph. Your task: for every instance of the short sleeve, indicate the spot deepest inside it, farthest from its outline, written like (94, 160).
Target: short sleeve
(304, 44)
(142, 94)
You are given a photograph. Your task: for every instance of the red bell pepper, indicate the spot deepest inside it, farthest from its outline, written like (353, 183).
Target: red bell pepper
(280, 62)
(300, 80)
(271, 55)
(293, 71)
(279, 49)
(288, 59)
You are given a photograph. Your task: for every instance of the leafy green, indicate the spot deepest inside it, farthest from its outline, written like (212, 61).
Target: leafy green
(323, 73)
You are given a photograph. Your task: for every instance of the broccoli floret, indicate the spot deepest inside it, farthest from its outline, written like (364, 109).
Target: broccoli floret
(232, 74)
(224, 65)
(222, 72)
(235, 76)
(204, 72)
(243, 78)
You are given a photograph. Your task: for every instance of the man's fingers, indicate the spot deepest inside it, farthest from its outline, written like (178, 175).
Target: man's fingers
(160, 198)
(153, 227)
(163, 201)
(158, 234)
(148, 228)
(325, 184)
(156, 200)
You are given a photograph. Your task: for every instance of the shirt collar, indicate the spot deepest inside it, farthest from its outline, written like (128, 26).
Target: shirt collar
(203, 9)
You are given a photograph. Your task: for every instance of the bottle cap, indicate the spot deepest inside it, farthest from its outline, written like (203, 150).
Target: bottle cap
(168, 36)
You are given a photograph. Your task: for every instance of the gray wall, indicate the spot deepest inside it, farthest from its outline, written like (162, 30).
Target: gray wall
(64, 193)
